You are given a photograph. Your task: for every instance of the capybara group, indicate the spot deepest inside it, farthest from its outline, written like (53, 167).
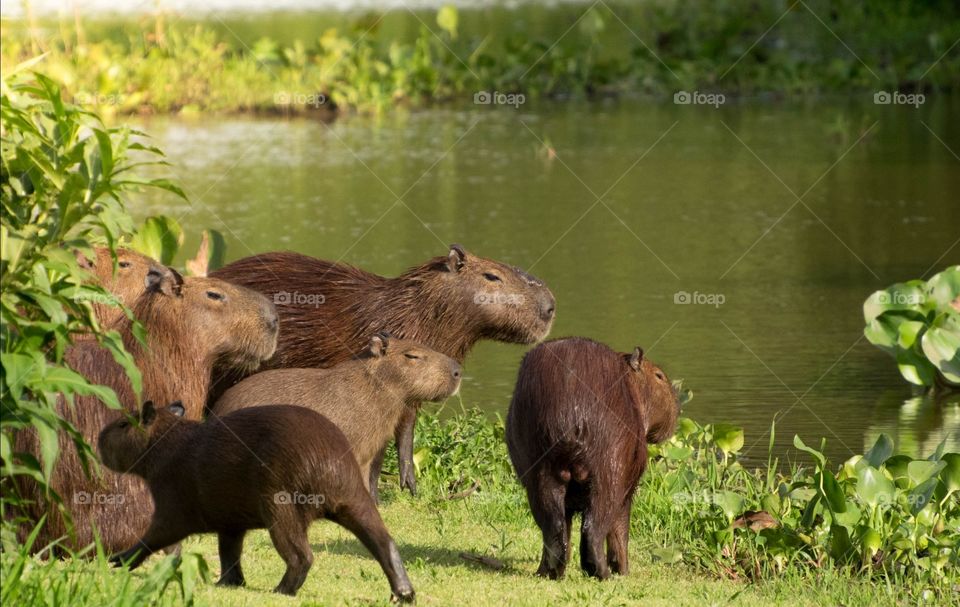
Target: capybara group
(579, 424)
(328, 310)
(365, 397)
(191, 324)
(277, 467)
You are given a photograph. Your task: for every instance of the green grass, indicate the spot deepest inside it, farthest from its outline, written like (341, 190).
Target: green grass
(683, 551)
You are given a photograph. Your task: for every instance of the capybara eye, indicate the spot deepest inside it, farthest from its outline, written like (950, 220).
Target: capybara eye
(123, 424)
(491, 277)
(124, 264)
(214, 295)
(412, 356)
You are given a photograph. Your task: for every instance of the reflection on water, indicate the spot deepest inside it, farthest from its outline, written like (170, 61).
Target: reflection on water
(773, 221)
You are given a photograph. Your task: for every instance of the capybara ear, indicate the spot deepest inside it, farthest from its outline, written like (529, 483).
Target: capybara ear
(456, 258)
(148, 413)
(378, 345)
(176, 407)
(82, 260)
(636, 358)
(170, 284)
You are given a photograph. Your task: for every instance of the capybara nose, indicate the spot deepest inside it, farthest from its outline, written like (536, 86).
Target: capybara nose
(548, 307)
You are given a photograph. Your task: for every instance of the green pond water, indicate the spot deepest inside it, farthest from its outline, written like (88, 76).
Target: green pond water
(693, 199)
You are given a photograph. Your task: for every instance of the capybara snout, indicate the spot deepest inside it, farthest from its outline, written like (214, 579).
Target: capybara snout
(577, 432)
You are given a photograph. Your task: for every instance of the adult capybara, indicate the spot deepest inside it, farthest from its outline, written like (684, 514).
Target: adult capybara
(577, 431)
(365, 397)
(191, 325)
(277, 468)
(126, 281)
(328, 310)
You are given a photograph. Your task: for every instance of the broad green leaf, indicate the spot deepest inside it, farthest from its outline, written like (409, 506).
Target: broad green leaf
(873, 487)
(160, 237)
(920, 470)
(819, 457)
(944, 288)
(941, 345)
(915, 368)
(728, 438)
(730, 502)
(880, 452)
(832, 492)
(950, 475)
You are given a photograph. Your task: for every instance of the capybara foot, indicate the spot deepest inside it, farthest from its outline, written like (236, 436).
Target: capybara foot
(554, 573)
(408, 480)
(404, 596)
(231, 578)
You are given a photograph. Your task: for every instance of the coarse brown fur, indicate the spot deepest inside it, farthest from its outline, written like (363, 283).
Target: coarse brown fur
(276, 467)
(328, 310)
(126, 282)
(191, 325)
(365, 397)
(579, 424)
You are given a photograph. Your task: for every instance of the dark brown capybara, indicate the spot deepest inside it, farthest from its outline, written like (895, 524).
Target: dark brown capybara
(579, 424)
(191, 324)
(274, 467)
(126, 282)
(365, 397)
(328, 310)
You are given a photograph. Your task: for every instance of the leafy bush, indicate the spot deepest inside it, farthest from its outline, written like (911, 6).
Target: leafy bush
(918, 323)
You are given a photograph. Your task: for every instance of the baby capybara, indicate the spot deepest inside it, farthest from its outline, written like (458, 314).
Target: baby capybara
(365, 397)
(577, 431)
(328, 310)
(277, 468)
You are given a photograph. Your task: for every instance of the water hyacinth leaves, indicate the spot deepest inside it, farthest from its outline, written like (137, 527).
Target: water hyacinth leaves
(918, 323)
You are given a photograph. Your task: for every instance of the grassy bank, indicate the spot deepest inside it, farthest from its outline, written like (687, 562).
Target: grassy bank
(164, 64)
(695, 538)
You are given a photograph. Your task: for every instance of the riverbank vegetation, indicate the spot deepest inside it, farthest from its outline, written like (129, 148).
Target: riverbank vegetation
(165, 63)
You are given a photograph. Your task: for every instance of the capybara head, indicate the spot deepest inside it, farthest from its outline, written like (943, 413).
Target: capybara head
(508, 304)
(238, 325)
(127, 281)
(657, 394)
(425, 374)
(123, 442)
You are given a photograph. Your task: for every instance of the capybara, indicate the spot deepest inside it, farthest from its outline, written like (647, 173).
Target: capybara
(276, 467)
(328, 310)
(364, 397)
(126, 282)
(191, 324)
(579, 424)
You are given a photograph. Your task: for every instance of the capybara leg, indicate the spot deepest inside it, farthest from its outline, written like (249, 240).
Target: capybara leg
(289, 535)
(617, 541)
(156, 538)
(363, 520)
(547, 504)
(403, 435)
(231, 546)
(175, 549)
(374, 474)
(593, 535)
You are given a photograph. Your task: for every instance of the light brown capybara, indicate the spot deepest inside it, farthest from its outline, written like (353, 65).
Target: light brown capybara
(328, 310)
(365, 397)
(191, 324)
(579, 424)
(126, 282)
(274, 467)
